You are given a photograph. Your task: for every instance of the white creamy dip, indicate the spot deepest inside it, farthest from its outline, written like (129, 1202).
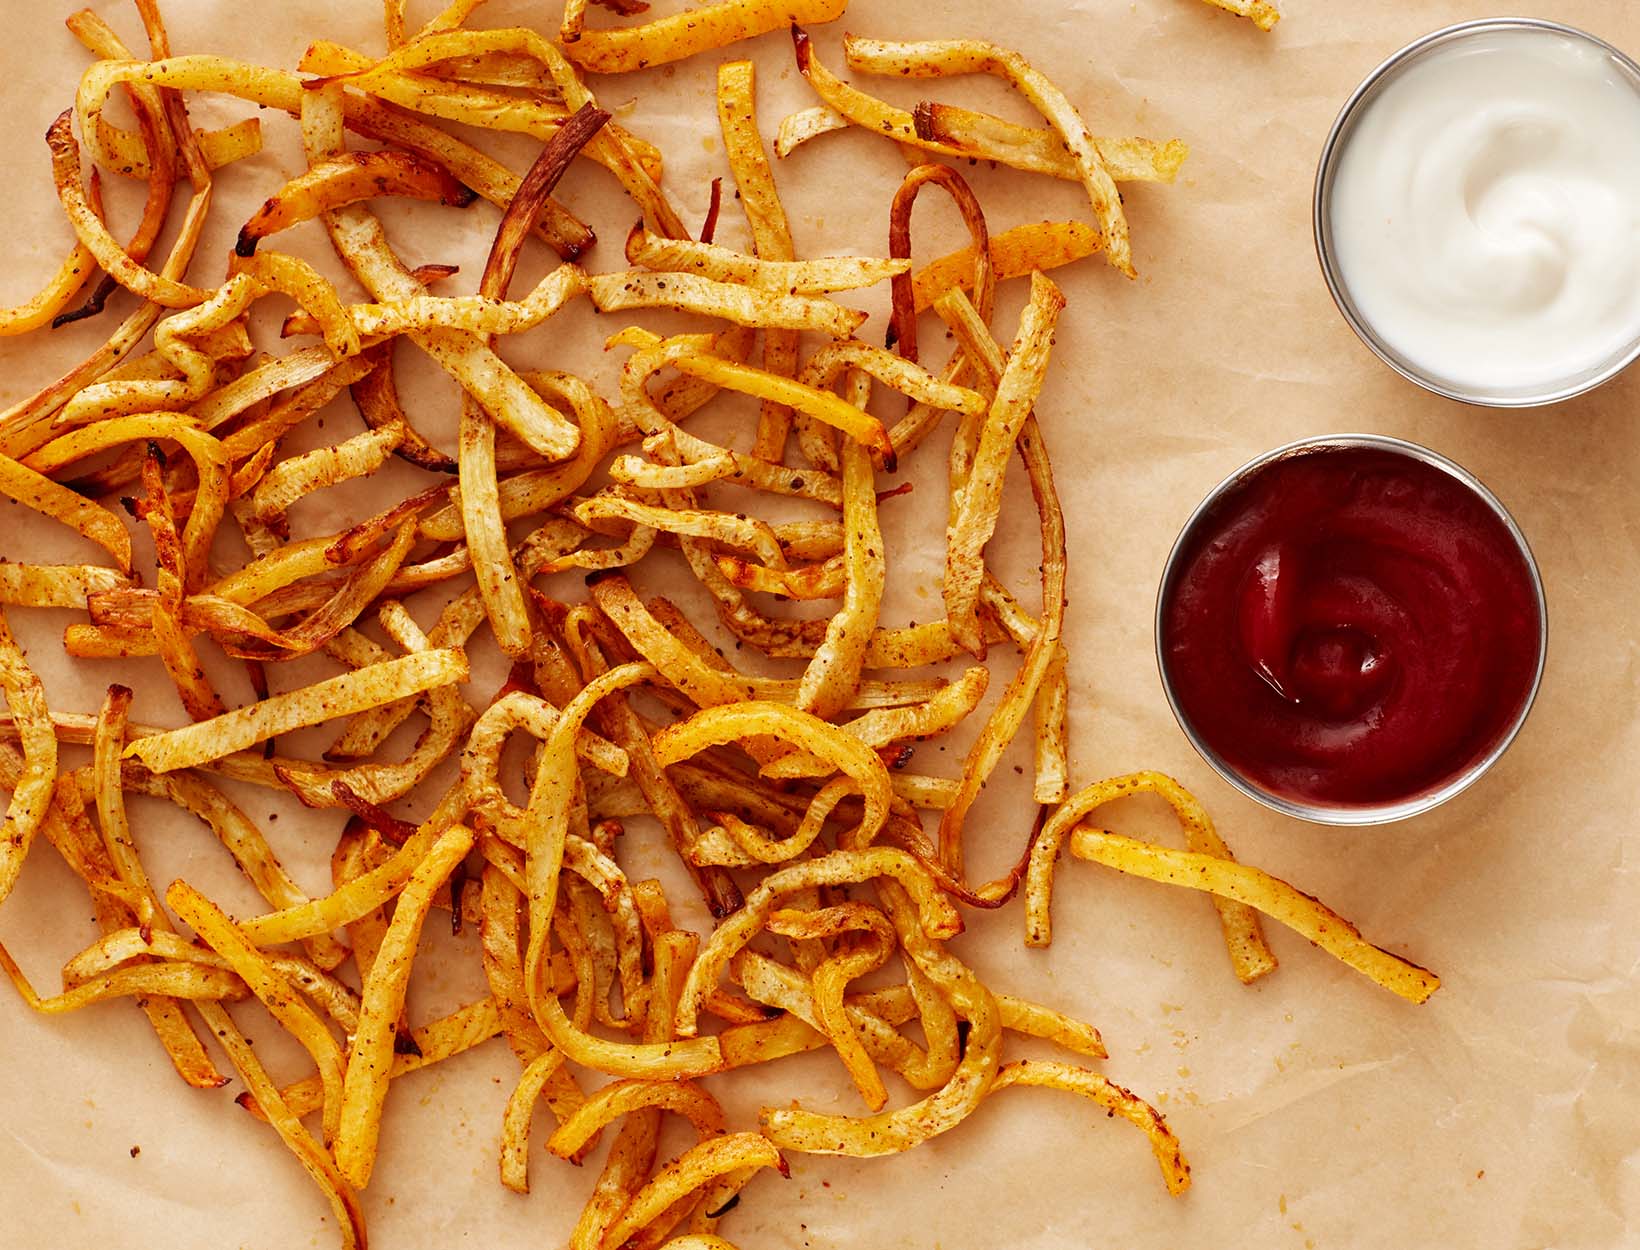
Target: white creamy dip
(1485, 212)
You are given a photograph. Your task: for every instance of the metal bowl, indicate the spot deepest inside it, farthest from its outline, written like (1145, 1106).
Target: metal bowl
(1326, 172)
(1364, 814)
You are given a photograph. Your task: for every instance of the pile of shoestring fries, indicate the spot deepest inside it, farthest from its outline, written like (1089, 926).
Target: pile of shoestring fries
(824, 860)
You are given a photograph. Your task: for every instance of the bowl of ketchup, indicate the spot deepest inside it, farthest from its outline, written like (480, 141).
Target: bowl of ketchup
(1351, 629)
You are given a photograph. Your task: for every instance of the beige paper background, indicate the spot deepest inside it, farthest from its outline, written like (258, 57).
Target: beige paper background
(1318, 1111)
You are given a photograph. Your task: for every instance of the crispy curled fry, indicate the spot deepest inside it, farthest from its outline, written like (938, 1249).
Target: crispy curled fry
(1250, 955)
(1115, 1100)
(94, 235)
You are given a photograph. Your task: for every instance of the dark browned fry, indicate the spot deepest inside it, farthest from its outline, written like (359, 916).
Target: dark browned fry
(708, 229)
(902, 325)
(377, 397)
(350, 179)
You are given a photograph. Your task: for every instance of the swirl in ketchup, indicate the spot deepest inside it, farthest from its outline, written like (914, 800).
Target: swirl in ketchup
(1350, 626)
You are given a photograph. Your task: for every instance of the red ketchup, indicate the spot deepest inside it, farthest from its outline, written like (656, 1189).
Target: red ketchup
(1350, 626)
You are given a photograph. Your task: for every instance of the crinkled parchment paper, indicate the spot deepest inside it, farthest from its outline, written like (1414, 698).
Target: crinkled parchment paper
(1318, 1110)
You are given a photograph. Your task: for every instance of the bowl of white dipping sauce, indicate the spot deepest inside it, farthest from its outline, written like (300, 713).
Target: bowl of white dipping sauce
(1477, 212)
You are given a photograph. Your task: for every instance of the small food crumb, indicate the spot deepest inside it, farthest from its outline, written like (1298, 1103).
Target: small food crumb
(135, 1151)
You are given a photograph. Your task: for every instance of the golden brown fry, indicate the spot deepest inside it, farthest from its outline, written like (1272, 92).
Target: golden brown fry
(191, 981)
(771, 233)
(980, 136)
(109, 791)
(832, 677)
(897, 371)
(1115, 1100)
(393, 22)
(728, 529)
(60, 289)
(36, 784)
(270, 986)
(872, 1025)
(515, 1122)
(1256, 888)
(686, 34)
(126, 152)
(618, 1098)
(696, 1168)
(831, 980)
(824, 275)
(1014, 254)
(975, 517)
(958, 132)
(756, 848)
(313, 293)
(1040, 640)
(39, 493)
(1261, 13)
(316, 1160)
(110, 255)
(369, 1064)
(480, 760)
(1022, 1016)
(312, 705)
(693, 293)
(691, 355)
(826, 580)
(1051, 783)
(299, 476)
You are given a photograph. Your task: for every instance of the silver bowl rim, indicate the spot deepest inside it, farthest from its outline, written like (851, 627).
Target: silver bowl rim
(1326, 172)
(1366, 814)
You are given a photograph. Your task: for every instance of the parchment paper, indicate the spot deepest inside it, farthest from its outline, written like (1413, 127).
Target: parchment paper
(1318, 1111)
